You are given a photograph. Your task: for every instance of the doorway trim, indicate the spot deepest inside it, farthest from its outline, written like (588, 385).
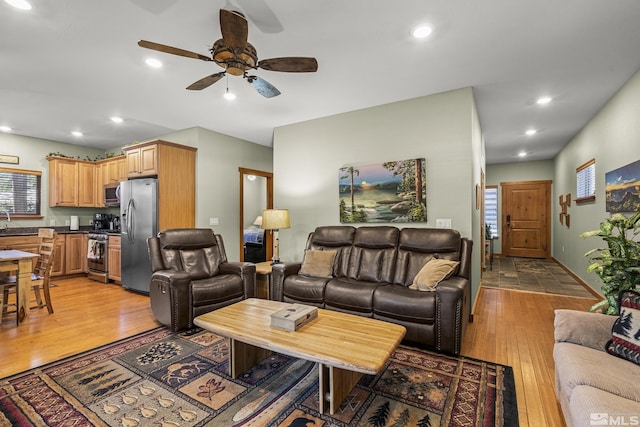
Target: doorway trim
(269, 178)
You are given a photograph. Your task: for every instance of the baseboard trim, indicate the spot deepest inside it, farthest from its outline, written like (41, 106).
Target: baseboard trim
(578, 279)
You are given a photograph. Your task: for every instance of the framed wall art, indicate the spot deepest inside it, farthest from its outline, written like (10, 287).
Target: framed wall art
(393, 191)
(622, 189)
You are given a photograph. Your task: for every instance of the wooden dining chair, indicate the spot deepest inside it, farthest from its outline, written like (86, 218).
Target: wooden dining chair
(41, 275)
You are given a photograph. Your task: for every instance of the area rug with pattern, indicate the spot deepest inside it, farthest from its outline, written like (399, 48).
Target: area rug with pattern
(168, 379)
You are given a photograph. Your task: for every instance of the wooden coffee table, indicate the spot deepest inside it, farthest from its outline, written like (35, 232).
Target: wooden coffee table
(344, 346)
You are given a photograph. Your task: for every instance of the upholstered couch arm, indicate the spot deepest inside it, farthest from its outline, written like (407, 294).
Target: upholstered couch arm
(583, 328)
(247, 271)
(176, 285)
(279, 272)
(452, 313)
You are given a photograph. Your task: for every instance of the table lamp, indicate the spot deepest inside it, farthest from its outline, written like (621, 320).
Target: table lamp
(275, 219)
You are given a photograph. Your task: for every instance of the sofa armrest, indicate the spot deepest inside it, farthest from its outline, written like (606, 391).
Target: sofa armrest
(584, 328)
(173, 286)
(452, 313)
(247, 271)
(279, 272)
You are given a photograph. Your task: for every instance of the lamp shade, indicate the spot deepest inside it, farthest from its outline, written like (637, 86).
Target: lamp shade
(258, 221)
(275, 219)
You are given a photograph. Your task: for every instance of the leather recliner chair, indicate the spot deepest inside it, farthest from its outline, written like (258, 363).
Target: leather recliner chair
(192, 276)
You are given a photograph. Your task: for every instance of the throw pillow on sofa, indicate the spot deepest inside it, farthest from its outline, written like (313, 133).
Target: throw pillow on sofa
(432, 273)
(317, 263)
(625, 342)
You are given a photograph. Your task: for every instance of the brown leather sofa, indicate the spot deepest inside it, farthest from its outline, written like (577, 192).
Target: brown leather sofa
(372, 271)
(191, 276)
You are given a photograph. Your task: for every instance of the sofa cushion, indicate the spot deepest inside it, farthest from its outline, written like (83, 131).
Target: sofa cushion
(590, 406)
(304, 289)
(337, 238)
(317, 263)
(350, 295)
(216, 289)
(374, 253)
(577, 365)
(582, 327)
(401, 303)
(432, 273)
(625, 342)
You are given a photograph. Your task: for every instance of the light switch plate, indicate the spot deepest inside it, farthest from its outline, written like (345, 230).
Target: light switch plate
(52, 223)
(443, 223)
(214, 221)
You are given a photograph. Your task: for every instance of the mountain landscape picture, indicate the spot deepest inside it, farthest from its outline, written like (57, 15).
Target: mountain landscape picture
(393, 191)
(622, 189)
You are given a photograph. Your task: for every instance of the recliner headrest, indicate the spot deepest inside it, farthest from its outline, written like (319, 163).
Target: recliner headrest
(333, 235)
(187, 238)
(376, 237)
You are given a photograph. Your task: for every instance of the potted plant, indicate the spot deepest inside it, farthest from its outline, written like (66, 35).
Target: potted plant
(618, 264)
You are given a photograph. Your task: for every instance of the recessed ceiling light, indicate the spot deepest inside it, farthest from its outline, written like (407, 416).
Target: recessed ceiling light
(522, 154)
(116, 119)
(5, 129)
(422, 31)
(153, 63)
(530, 132)
(19, 4)
(76, 133)
(543, 100)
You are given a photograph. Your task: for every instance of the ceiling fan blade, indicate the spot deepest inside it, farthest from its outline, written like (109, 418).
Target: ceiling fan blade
(205, 82)
(263, 87)
(172, 50)
(235, 30)
(290, 64)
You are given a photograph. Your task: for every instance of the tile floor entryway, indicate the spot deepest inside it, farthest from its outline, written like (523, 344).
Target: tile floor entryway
(534, 275)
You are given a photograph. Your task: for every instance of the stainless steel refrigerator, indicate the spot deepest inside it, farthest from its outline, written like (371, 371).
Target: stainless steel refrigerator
(139, 221)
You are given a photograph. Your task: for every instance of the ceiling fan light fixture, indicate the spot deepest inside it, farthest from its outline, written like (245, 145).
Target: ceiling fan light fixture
(19, 4)
(543, 100)
(229, 96)
(422, 31)
(153, 63)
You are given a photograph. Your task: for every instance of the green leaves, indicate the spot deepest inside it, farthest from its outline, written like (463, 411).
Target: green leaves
(617, 265)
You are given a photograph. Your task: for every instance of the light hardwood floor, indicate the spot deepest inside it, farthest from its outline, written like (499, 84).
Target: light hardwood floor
(513, 328)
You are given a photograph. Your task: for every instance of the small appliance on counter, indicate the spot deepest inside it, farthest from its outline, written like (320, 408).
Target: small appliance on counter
(106, 222)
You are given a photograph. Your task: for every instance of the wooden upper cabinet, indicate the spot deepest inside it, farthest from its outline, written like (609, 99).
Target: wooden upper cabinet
(72, 182)
(175, 167)
(142, 161)
(63, 181)
(86, 184)
(115, 169)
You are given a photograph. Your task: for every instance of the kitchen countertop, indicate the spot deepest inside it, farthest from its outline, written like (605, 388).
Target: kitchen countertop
(33, 231)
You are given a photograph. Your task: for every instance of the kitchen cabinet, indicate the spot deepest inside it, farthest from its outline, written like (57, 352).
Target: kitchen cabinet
(109, 171)
(86, 184)
(21, 243)
(75, 253)
(113, 259)
(57, 269)
(174, 165)
(142, 160)
(63, 182)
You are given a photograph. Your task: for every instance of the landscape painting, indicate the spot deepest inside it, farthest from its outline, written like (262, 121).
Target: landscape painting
(392, 191)
(622, 189)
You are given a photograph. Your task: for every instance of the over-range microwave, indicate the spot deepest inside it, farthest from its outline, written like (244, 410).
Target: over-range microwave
(112, 194)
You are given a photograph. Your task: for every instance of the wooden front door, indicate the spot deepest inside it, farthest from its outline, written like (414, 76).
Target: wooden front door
(526, 219)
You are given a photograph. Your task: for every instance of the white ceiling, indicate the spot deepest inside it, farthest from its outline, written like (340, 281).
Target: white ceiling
(72, 64)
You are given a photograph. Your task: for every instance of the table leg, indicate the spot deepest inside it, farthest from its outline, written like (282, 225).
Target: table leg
(335, 384)
(243, 356)
(23, 282)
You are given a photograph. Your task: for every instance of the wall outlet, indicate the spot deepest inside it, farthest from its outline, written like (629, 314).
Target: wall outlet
(52, 223)
(67, 222)
(443, 223)
(214, 221)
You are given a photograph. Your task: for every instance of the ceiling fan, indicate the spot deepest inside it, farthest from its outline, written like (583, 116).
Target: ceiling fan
(237, 56)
